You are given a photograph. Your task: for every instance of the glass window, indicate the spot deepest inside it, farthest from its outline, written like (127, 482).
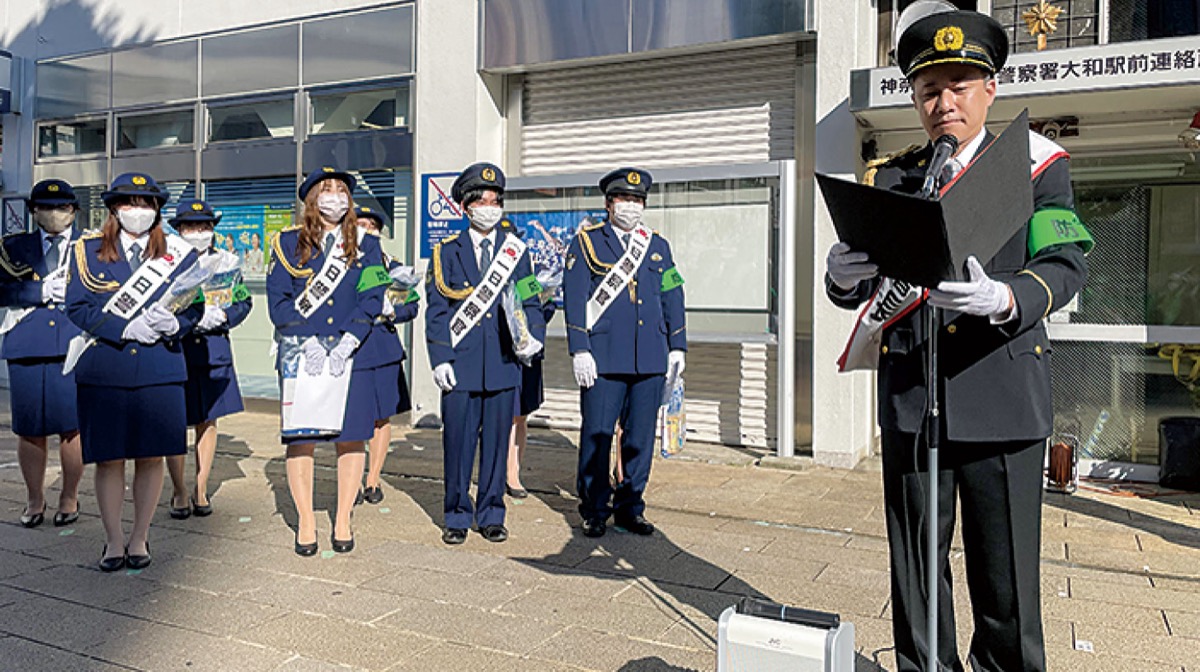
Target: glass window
(1130, 20)
(72, 138)
(154, 74)
(360, 110)
(72, 86)
(256, 60)
(146, 131)
(1078, 26)
(371, 44)
(267, 119)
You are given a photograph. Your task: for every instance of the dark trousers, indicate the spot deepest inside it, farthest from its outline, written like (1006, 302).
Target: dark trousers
(634, 401)
(999, 486)
(470, 419)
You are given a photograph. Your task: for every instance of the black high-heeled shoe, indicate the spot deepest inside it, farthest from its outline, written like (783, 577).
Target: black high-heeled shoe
(33, 519)
(340, 546)
(201, 510)
(110, 564)
(138, 561)
(305, 550)
(61, 518)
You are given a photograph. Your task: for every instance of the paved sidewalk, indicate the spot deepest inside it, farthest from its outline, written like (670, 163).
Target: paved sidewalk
(1121, 575)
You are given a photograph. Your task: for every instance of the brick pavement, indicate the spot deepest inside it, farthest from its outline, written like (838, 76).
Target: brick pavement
(1121, 575)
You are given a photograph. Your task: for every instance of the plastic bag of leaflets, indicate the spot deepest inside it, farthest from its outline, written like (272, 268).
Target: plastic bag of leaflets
(525, 346)
(224, 287)
(672, 420)
(310, 405)
(403, 289)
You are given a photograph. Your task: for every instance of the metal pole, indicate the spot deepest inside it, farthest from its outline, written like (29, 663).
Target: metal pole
(932, 438)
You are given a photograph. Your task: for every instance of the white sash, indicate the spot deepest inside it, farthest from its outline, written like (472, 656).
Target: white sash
(145, 281)
(498, 272)
(622, 272)
(324, 282)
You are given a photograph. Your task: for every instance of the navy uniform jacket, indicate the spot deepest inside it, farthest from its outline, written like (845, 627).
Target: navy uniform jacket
(348, 310)
(383, 346)
(642, 324)
(484, 359)
(211, 349)
(46, 331)
(112, 361)
(995, 378)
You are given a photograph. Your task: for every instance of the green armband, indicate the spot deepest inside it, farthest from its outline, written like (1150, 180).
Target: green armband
(1057, 226)
(528, 286)
(671, 279)
(240, 293)
(412, 296)
(372, 277)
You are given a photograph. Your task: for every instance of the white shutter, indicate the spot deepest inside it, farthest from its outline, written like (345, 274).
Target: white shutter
(720, 107)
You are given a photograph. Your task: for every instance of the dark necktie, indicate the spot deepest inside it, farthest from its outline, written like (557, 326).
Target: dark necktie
(52, 254)
(625, 241)
(135, 256)
(329, 240)
(485, 254)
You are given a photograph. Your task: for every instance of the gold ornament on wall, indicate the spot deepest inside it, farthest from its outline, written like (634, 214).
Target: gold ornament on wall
(1042, 20)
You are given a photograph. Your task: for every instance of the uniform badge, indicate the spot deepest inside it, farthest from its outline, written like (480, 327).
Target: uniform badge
(948, 38)
(138, 180)
(570, 261)
(197, 207)
(656, 257)
(634, 178)
(52, 187)
(488, 174)
(327, 169)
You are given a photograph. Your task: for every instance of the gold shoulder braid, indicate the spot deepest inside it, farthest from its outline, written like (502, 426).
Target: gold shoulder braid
(279, 256)
(91, 282)
(446, 290)
(589, 254)
(13, 268)
(874, 165)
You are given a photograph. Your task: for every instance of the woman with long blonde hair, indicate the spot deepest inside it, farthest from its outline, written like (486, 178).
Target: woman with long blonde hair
(325, 289)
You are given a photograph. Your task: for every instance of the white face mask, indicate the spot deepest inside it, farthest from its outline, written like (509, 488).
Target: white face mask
(54, 221)
(137, 221)
(333, 206)
(201, 240)
(627, 214)
(484, 217)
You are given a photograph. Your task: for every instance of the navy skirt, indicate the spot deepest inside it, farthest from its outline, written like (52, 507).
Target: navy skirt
(41, 398)
(358, 423)
(530, 395)
(212, 393)
(391, 390)
(127, 423)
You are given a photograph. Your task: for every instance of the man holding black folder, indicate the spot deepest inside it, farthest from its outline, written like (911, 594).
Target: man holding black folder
(994, 366)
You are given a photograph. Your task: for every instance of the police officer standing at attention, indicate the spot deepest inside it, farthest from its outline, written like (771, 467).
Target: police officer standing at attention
(474, 354)
(36, 334)
(623, 302)
(994, 365)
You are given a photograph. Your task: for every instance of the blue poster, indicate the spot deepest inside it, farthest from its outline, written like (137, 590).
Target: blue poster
(549, 234)
(441, 217)
(242, 232)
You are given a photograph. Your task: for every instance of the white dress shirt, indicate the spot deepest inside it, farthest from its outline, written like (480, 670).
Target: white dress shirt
(476, 239)
(63, 243)
(964, 157)
(127, 242)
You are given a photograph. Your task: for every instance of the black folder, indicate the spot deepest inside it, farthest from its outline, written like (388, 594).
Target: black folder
(924, 242)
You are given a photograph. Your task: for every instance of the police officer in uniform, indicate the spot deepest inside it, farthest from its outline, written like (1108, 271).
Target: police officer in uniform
(479, 374)
(994, 365)
(36, 333)
(624, 308)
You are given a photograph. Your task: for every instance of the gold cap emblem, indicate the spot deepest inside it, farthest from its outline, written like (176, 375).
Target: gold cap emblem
(948, 38)
(326, 169)
(138, 180)
(197, 207)
(634, 178)
(52, 187)
(365, 209)
(488, 174)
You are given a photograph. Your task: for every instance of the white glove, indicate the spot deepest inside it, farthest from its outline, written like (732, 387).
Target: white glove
(314, 356)
(341, 354)
(389, 310)
(54, 289)
(161, 320)
(585, 369)
(978, 296)
(847, 268)
(139, 330)
(443, 375)
(675, 364)
(527, 353)
(406, 276)
(214, 317)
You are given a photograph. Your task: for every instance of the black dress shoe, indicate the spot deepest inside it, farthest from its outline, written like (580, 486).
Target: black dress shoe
(454, 535)
(516, 493)
(637, 525)
(373, 495)
(61, 518)
(594, 527)
(494, 533)
(137, 561)
(340, 546)
(33, 519)
(358, 499)
(181, 513)
(305, 550)
(110, 564)
(201, 510)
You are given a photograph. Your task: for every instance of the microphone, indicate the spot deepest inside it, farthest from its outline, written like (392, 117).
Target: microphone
(943, 148)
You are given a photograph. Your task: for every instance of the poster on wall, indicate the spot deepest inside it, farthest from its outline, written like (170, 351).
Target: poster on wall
(246, 230)
(441, 217)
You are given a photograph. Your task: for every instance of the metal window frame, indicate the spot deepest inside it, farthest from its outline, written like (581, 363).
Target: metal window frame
(107, 117)
(117, 116)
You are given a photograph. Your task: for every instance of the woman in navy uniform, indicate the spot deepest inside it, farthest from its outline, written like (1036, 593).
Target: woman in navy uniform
(331, 334)
(479, 374)
(382, 356)
(622, 360)
(131, 380)
(212, 387)
(42, 398)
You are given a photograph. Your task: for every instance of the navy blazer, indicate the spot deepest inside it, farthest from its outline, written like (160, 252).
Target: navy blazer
(46, 331)
(206, 350)
(642, 324)
(383, 346)
(346, 311)
(113, 361)
(484, 359)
